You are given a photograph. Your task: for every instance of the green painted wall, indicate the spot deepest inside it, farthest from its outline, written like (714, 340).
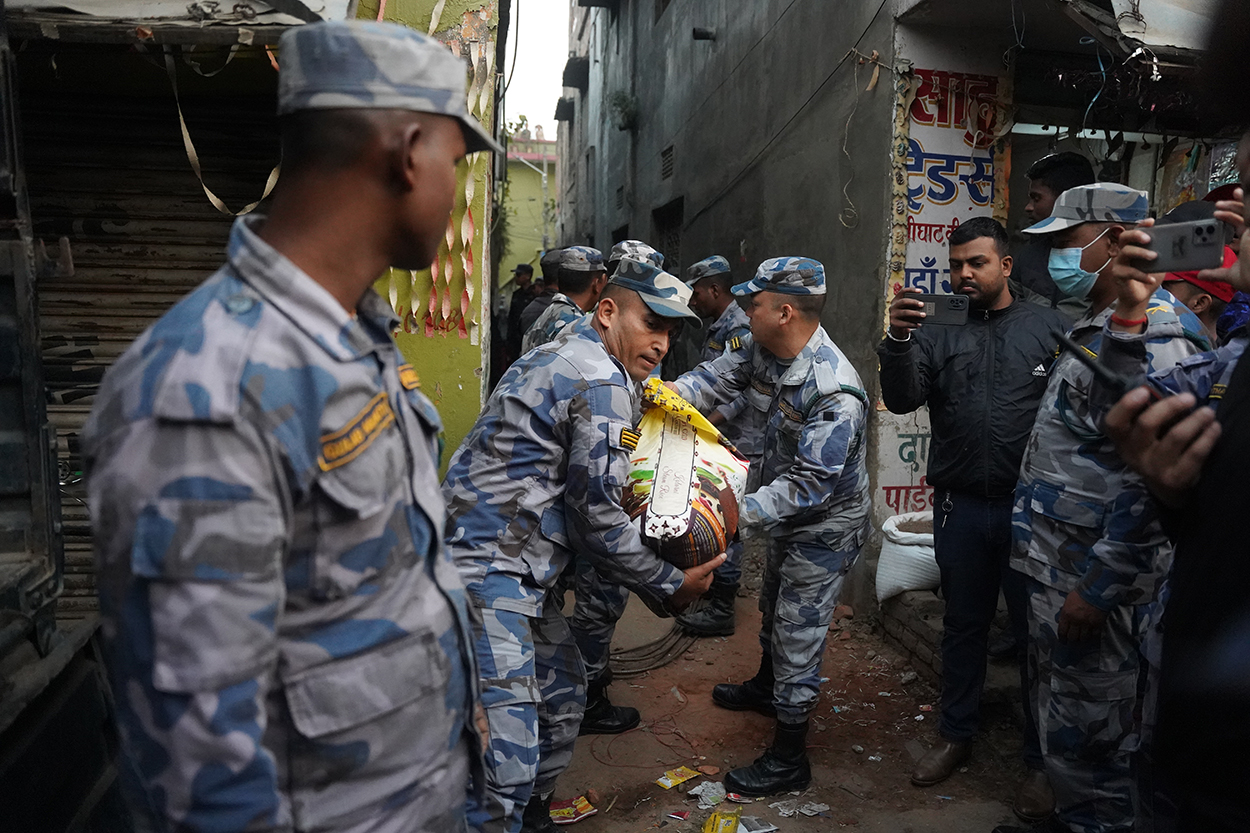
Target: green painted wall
(525, 216)
(446, 327)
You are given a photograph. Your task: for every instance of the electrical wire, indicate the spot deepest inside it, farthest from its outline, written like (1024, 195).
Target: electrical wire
(738, 177)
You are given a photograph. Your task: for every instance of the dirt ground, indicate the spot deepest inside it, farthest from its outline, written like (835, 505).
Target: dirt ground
(870, 700)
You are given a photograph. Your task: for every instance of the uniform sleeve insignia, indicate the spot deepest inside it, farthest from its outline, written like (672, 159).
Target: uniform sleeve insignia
(350, 441)
(629, 439)
(735, 344)
(1217, 391)
(408, 377)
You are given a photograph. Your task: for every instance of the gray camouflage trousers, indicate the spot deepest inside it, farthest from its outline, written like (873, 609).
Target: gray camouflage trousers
(598, 604)
(802, 584)
(534, 693)
(1085, 696)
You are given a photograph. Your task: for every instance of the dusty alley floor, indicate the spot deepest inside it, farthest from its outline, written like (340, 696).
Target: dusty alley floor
(865, 703)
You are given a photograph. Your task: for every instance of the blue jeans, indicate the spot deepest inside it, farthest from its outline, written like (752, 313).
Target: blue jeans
(972, 539)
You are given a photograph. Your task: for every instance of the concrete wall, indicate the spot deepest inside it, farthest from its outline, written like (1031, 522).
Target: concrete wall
(756, 120)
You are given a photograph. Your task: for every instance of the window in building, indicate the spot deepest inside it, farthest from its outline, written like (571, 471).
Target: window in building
(620, 198)
(666, 221)
(666, 163)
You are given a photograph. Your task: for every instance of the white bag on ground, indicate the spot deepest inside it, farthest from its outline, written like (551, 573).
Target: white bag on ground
(907, 561)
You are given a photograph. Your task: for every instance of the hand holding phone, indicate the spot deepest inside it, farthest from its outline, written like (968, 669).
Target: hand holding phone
(911, 308)
(1186, 247)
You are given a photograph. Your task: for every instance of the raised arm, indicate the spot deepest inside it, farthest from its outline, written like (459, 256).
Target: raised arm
(833, 428)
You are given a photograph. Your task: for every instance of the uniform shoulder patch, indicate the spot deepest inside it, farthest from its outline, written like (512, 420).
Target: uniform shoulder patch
(350, 441)
(408, 377)
(629, 439)
(735, 344)
(1217, 391)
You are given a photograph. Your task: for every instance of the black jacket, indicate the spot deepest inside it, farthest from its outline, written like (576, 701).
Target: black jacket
(983, 383)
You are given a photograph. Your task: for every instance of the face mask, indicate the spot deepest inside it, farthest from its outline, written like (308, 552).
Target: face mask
(1066, 272)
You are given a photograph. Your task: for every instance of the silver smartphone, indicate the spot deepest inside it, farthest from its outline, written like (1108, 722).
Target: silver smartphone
(1186, 247)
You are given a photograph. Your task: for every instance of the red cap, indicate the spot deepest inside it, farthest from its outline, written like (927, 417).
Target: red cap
(1218, 289)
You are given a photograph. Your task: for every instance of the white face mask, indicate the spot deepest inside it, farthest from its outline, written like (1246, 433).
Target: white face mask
(1065, 270)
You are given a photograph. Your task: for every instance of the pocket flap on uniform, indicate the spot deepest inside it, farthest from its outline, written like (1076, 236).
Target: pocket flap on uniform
(552, 525)
(357, 489)
(349, 692)
(1095, 686)
(1055, 502)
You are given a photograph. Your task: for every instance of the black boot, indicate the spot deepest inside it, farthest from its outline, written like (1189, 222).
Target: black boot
(756, 694)
(603, 718)
(537, 817)
(716, 617)
(783, 766)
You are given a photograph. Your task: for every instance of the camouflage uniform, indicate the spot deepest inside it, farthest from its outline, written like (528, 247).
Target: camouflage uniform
(554, 319)
(743, 425)
(1083, 522)
(288, 642)
(809, 494)
(288, 638)
(538, 478)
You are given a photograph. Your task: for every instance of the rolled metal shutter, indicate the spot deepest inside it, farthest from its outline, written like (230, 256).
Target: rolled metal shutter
(110, 173)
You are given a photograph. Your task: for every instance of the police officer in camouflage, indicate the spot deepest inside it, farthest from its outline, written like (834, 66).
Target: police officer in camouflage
(288, 642)
(711, 281)
(600, 602)
(538, 479)
(1086, 532)
(581, 277)
(809, 496)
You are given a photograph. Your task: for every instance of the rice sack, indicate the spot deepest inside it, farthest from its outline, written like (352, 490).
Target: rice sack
(685, 481)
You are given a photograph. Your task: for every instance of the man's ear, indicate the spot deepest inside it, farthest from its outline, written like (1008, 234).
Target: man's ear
(1008, 263)
(1201, 303)
(408, 154)
(1113, 239)
(606, 311)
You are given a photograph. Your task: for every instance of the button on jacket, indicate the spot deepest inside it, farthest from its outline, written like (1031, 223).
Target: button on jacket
(982, 382)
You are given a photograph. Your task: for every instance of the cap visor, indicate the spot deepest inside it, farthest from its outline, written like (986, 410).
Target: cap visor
(747, 288)
(475, 136)
(1051, 224)
(666, 308)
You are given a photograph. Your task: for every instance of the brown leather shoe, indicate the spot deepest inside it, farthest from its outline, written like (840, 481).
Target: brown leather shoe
(1035, 800)
(940, 761)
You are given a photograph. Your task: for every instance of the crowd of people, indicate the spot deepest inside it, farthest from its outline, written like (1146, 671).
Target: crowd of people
(305, 632)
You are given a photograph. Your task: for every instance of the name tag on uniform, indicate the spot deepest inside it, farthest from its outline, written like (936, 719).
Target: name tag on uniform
(350, 441)
(408, 377)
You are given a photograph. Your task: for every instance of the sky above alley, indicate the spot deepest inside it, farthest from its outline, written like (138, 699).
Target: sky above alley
(539, 39)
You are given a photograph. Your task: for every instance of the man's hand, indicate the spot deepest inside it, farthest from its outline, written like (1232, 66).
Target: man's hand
(696, 582)
(483, 726)
(1079, 621)
(1233, 212)
(906, 313)
(1133, 286)
(1164, 442)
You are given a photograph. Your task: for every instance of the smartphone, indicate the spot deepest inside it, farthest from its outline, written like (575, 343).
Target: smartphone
(944, 309)
(1186, 247)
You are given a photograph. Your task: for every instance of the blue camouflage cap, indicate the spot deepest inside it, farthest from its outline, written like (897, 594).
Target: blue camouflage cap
(787, 275)
(581, 259)
(357, 64)
(637, 250)
(667, 296)
(1101, 202)
(714, 265)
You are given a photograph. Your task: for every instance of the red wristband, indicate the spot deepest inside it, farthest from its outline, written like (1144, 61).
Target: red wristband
(1124, 322)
